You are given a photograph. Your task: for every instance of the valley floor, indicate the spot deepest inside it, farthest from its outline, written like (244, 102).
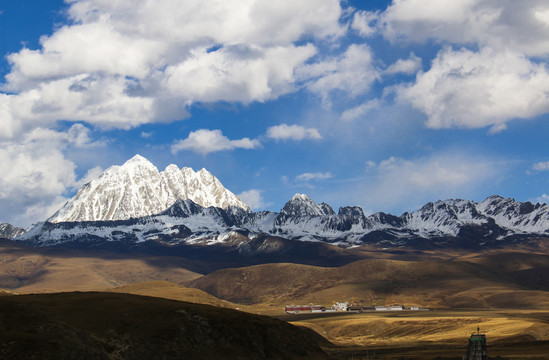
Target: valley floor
(505, 292)
(511, 334)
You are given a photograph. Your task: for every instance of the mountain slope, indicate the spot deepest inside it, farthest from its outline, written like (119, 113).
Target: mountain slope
(138, 189)
(9, 231)
(122, 326)
(168, 290)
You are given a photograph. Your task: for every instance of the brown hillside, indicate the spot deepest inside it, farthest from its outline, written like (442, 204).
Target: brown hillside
(167, 290)
(123, 326)
(425, 283)
(528, 270)
(29, 270)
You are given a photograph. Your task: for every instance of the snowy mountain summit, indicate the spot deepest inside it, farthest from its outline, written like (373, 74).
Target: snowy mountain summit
(138, 189)
(9, 231)
(302, 205)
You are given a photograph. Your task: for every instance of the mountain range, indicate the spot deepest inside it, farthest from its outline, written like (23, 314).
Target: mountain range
(135, 204)
(138, 189)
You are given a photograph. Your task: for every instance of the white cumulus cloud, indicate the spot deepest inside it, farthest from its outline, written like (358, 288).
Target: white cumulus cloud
(35, 174)
(292, 132)
(241, 73)
(352, 73)
(205, 141)
(500, 24)
(405, 66)
(125, 63)
(476, 89)
(253, 199)
(364, 22)
(500, 73)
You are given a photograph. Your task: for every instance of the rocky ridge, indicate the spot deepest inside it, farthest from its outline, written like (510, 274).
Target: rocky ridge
(138, 189)
(9, 231)
(493, 221)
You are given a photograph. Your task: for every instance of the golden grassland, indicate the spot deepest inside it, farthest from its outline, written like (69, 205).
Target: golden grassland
(505, 292)
(510, 333)
(447, 326)
(30, 270)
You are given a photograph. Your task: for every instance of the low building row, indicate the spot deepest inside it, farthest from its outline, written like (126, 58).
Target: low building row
(344, 306)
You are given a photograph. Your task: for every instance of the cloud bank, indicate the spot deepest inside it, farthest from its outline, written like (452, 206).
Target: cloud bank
(205, 141)
(469, 64)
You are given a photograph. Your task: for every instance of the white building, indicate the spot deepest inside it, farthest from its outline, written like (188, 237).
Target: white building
(341, 306)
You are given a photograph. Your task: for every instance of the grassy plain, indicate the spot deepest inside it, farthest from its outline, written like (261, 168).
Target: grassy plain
(504, 291)
(511, 334)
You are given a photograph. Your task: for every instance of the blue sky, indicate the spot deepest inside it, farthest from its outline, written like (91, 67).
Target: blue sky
(383, 104)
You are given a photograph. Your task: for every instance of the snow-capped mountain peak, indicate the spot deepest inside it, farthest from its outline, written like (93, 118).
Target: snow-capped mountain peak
(326, 209)
(302, 205)
(516, 215)
(9, 231)
(445, 216)
(137, 189)
(138, 160)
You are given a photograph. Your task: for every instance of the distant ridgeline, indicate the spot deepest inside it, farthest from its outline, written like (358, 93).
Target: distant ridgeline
(135, 204)
(452, 223)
